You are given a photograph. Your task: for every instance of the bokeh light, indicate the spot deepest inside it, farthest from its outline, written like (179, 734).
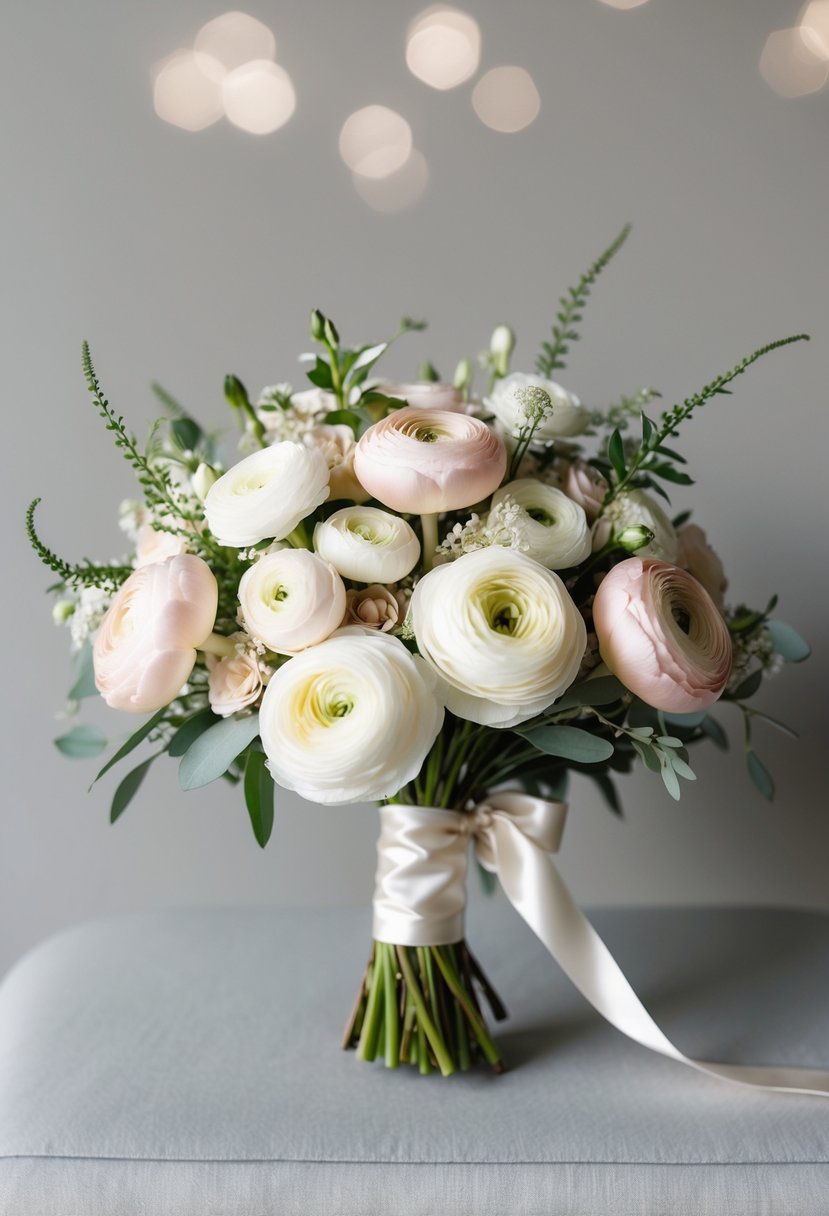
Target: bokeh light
(375, 141)
(233, 40)
(790, 67)
(187, 95)
(506, 99)
(399, 189)
(814, 27)
(443, 47)
(624, 4)
(258, 96)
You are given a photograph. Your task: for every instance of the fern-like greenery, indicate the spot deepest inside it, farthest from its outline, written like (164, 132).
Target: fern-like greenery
(652, 458)
(83, 575)
(569, 313)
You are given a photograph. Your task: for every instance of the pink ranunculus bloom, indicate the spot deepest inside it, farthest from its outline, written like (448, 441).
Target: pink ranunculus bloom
(428, 395)
(146, 646)
(586, 486)
(661, 634)
(423, 461)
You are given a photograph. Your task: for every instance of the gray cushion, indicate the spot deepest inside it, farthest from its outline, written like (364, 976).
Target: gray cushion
(188, 1062)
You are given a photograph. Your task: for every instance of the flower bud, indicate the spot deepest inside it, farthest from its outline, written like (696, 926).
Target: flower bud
(317, 325)
(501, 346)
(329, 333)
(202, 480)
(634, 537)
(236, 394)
(62, 610)
(462, 378)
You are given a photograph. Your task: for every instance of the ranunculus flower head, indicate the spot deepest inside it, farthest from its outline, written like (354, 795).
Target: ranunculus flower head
(373, 607)
(552, 527)
(367, 544)
(350, 720)
(427, 395)
(585, 485)
(567, 417)
(661, 634)
(266, 494)
(501, 632)
(338, 446)
(145, 648)
(291, 599)
(234, 682)
(423, 461)
(633, 507)
(156, 545)
(696, 556)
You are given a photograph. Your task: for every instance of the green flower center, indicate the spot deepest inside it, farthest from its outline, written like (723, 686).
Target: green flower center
(541, 516)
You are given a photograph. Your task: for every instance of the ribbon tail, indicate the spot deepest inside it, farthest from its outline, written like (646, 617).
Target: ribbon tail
(537, 891)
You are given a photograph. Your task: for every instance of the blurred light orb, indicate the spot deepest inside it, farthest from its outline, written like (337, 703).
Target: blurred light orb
(375, 141)
(443, 47)
(186, 95)
(790, 67)
(233, 40)
(506, 99)
(258, 97)
(814, 27)
(399, 189)
(624, 4)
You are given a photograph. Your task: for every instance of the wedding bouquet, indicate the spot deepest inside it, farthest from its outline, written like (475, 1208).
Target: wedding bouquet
(440, 600)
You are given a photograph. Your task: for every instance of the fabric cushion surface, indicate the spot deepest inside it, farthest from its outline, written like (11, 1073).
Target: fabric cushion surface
(188, 1062)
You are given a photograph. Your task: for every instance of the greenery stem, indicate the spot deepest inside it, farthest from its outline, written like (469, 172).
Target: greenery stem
(429, 525)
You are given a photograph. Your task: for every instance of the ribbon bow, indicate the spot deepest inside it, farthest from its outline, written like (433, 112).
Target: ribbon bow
(420, 898)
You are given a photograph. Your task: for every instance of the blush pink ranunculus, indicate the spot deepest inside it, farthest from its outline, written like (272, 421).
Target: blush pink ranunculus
(661, 634)
(146, 646)
(427, 395)
(423, 461)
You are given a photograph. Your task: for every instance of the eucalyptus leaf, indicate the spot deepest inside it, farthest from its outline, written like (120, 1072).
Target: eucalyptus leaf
(690, 721)
(212, 753)
(190, 730)
(670, 781)
(128, 788)
(649, 756)
(569, 742)
(760, 775)
(138, 737)
(604, 690)
(83, 675)
(259, 796)
(787, 642)
(715, 732)
(81, 742)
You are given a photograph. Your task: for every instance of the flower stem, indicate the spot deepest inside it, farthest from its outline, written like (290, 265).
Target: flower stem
(425, 1023)
(429, 526)
(218, 645)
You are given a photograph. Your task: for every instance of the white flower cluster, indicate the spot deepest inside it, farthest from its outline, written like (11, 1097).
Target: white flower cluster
(289, 415)
(503, 525)
(753, 652)
(90, 609)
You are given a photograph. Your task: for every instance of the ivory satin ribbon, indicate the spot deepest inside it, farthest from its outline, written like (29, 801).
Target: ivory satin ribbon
(420, 897)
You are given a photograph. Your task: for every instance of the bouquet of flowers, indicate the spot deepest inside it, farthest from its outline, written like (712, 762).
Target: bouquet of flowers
(437, 598)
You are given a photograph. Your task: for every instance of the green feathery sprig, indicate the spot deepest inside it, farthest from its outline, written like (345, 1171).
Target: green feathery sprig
(569, 314)
(83, 575)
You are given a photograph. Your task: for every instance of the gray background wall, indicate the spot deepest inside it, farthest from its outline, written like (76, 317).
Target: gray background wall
(185, 256)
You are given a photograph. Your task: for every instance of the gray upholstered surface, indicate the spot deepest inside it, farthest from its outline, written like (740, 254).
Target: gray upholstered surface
(188, 1063)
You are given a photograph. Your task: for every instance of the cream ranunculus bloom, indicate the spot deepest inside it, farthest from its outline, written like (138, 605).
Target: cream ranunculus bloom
(155, 545)
(502, 634)
(350, 720)
(146, 646)
(553, 528)
(367, 545)
(266, 494)
(696, 555)
(338, 446)
(374, 607)
(568, 417)
(234, 682)
(291, 599)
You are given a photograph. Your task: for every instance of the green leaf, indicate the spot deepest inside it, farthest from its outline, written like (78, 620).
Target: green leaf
(81, 742)
(190, 730)
(749, 686)
(669, 473)
(83, 675)
(368, 357)
(787, 642)
(188, 433)
(359, 420)
(690, 721)
(128, 788)
(320, 374)
(259, 796)
(569, 742)
(649, 755)
(209, 756)
(616, 453)
(604, 690)
(138, 737)
(760, 775)
(609, 792)
(715, 732)
(670, 781)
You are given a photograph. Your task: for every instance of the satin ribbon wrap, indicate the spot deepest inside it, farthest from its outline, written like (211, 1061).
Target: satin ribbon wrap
(420, 897)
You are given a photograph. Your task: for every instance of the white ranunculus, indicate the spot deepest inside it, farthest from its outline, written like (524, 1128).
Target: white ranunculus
(291, 599)
(350, 720)
(568, 417)
(367, 545)
(266, 494)
(634, 507)
(553, 528)
(502, 634)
